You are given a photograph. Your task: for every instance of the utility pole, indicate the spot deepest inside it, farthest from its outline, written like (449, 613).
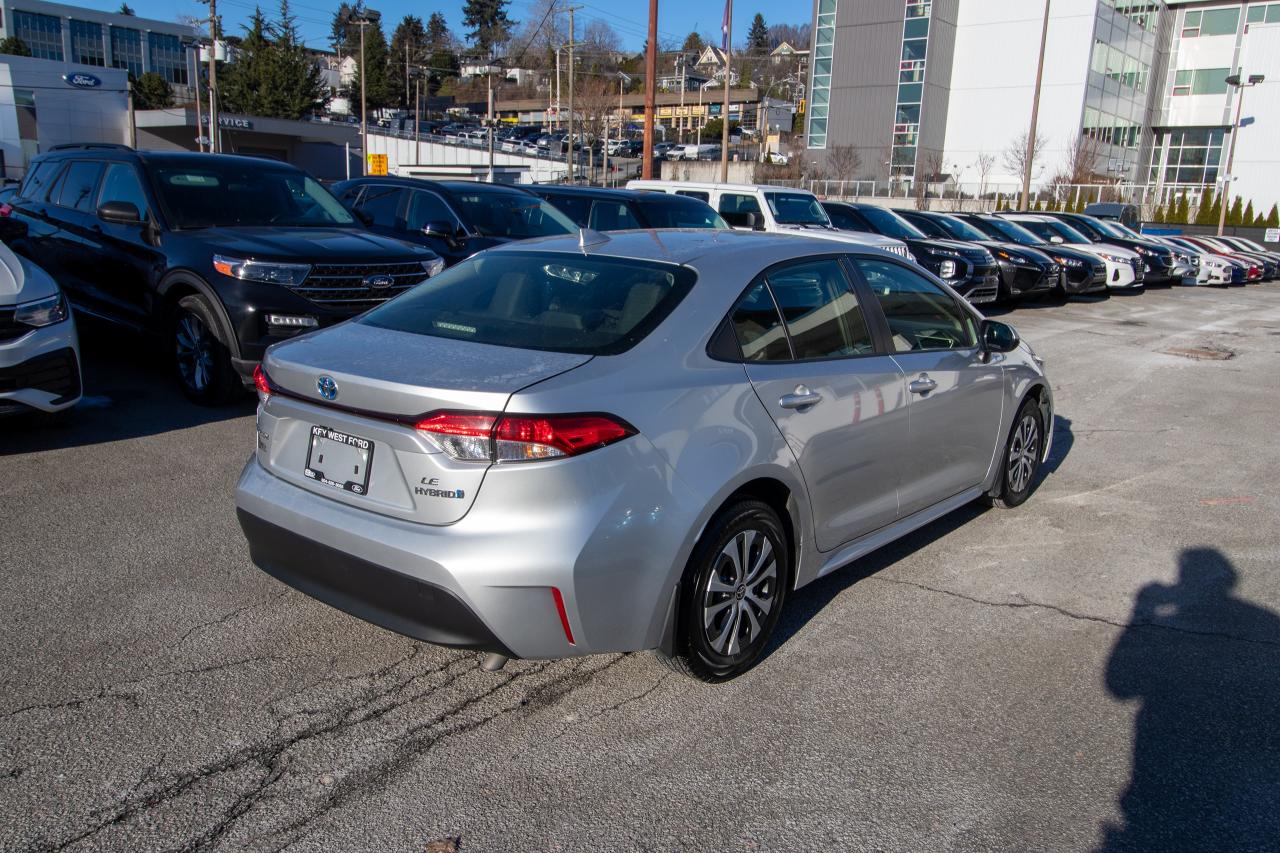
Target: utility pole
(489, 121)
(724, 116)
(1238, 82)
(406, 71)
(557, 127)
(650, 90)
(215, 141)
(684, 119)
(1035, 114)
(133, 122)
(570, 159)
(199, 108)
(417, 119)
(363, 22)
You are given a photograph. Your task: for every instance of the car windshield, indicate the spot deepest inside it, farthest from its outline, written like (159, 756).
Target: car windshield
(668, 213)
(560, 302)
(890, 224)
(1003, 229)
(1053, 228)
(511, 214)
(797, 209)
(958, 228)
(230, 193)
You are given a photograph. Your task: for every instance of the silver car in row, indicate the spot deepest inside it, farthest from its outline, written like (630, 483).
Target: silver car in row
(598, 444)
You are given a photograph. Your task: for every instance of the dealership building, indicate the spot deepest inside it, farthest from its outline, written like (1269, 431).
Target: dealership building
(924, 88)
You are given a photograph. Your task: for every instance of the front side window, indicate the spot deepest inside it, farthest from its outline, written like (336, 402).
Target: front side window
(230, 194)
(736, 207)
(613, 216)
(796, 209)
(425, 207)
(554, 301)
(77, 186)
(512, 215)
(121, 184)
(921, 315)
(821, 312)
(382, 205)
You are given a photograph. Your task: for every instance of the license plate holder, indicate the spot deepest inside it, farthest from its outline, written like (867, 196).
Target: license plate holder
(339, 460)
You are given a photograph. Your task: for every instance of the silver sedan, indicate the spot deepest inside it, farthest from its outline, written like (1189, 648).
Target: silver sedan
(643, 441)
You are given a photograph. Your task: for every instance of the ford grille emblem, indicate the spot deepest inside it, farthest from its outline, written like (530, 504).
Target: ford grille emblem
(327, 387)
(378, 282)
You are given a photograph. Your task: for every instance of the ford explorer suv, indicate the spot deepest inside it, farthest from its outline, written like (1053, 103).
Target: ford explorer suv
(219, 255)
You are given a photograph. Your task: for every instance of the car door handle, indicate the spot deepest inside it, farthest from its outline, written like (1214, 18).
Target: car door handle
(922, 385)
(802, 398)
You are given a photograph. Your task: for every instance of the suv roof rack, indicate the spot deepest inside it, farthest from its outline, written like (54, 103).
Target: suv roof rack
(68, 146)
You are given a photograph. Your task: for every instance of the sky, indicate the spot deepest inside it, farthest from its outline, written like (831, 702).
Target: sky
(676, 18)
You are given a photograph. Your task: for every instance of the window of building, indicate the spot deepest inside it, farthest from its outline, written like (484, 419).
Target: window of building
(1211, 22)
(1201, 81)
(168, 57)
(86, 43)
(1191, 155)
(820, 86)
(1264, 13)
(126, 50)
(41, 33)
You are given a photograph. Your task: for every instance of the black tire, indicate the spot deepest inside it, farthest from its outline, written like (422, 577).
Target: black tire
(722, 632)
(1020, 459)
(201, 359)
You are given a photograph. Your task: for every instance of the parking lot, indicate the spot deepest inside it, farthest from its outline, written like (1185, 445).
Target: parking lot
(998, 680)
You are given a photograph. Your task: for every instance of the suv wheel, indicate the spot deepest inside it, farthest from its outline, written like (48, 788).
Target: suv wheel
(732, 593)
(203, 361)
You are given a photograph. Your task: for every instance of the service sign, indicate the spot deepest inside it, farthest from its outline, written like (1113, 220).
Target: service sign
(80, 80)
(1272, 236)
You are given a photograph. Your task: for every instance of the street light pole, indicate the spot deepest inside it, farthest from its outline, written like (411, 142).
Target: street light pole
(650, 90)
(1035, 114)
(1236, 82)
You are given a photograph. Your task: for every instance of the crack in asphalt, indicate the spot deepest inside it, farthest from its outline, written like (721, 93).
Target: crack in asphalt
(227, 617)
(1082, 617)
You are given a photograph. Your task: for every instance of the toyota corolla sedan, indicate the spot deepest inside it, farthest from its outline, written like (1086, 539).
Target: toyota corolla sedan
(648, 440)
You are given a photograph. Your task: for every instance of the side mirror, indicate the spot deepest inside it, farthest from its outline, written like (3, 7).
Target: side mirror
(752, 221)
(438, 229)
(998, 337)
(365, 219)
(120, 212)
(1056, 240)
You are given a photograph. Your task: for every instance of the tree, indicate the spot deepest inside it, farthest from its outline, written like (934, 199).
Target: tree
(245, 84)
(379, 91)
(600, 43)
(151, 92)
(1273, 218)
(273, 74)
(1182, 209)
(984, 163)
(14, 46)
(438, 35)
(344, 35)
(1235, 216)
(693, 43)
(1158, 214)
(713, 130)
(758, 36)
(125, 9)
(296, 82)
(1250, 217)
(1015, 156)
(408, 46)
(489, 23)
(1205, 213)
(844, 161)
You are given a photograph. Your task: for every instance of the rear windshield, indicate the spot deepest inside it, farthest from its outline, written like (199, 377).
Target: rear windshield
(675, 212)
(511, 215)
(560, 302)
(229, 193)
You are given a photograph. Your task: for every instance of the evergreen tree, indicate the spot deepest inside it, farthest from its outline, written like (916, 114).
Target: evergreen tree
(1250, 217)
(1235, 216)
(1182, 210)
(692, 43)
(1205, 214)
(125, 9)
(758, 36)
(490, 26)
(438, 35)
(1157, 215)
(151, 92)
(296, 83)
(343, 35)
(1273, 218)
(244, 85)
(379, 91)
(14, 46)
(408, 48)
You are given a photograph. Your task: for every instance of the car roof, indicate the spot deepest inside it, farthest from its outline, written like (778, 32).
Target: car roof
(712, 185)
(426, 183)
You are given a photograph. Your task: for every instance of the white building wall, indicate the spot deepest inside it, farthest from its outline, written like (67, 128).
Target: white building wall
(1257, 163)
(993, 82)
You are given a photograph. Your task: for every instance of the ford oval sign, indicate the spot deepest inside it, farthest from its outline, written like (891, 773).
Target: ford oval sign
(379, 281)
(327, 387)
(81, 80)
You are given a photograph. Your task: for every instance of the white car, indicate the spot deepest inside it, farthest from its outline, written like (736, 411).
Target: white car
(1125, 267)
(39, 349)
(1210, 268)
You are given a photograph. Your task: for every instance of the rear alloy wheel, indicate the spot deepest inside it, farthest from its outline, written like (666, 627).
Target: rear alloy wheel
(1021, 460)
(203, 361)
(732, 593)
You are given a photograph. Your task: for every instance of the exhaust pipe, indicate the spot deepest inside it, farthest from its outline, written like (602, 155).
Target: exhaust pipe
(493, 662)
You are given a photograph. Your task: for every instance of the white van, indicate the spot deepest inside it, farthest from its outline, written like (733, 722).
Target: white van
(758, 207)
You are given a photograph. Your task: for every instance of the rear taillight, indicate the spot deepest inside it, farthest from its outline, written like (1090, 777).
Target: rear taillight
(5, 210)
(262, 382)
(521, 438)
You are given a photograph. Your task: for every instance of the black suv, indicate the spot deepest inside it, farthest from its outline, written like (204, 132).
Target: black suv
(1083, 272)
(1157, 259)
(224, 255)
(1023, 271)
(970, 269)
(455, 219)
(622, 210)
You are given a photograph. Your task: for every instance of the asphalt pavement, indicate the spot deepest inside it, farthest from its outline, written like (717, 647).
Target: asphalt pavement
(1098, 669)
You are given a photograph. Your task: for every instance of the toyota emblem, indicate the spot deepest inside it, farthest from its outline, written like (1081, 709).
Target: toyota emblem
(327, 387)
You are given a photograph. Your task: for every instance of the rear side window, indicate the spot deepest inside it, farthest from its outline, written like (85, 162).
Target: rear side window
(381, 204)
(613, 216)
(822, 314)
(39, 180)
(560, 302)
(698, 194)
(845, 220)
(758, 326)
(121, 184)
(510, 214)
(576, 207)
(79, 184)
(921, 315)
(668, 212)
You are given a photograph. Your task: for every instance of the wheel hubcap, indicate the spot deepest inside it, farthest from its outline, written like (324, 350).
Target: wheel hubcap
(194, 348)
(1024, 451)
(740, 593)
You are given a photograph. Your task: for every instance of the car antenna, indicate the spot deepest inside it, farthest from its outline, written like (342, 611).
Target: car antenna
(588, 237)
